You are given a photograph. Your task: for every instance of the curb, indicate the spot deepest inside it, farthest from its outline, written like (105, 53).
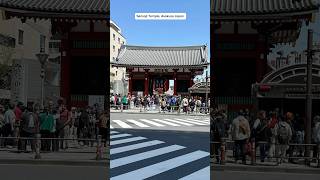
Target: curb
(102, 163)
(277, 169)
(181, 114)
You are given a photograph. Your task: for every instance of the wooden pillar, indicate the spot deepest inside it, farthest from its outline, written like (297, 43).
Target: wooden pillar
(175, 81)
(191, 77)
(146, 82)
(167, 85)
(130, 82)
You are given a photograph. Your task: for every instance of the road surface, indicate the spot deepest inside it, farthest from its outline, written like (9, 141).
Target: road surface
(237, 175)
(52, 172)
(154, 146)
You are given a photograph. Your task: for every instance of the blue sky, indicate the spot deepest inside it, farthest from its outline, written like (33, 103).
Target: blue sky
(195, 30)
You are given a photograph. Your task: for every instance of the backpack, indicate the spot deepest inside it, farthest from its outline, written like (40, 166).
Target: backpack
(243, 127)
(283, 135)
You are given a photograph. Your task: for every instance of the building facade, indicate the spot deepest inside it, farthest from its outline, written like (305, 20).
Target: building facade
(244, 35)
(79, 32)
(118, 80)
(30, 38)
(151, 68)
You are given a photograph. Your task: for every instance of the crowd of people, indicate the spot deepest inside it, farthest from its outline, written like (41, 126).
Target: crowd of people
(167, 103)
(273, 133)
(79, 126)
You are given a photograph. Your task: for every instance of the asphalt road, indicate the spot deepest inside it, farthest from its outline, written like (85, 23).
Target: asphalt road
(237, 175)
(178, 149)
(52, 172)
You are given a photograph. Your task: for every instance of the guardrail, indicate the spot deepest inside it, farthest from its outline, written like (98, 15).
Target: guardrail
(38, 140)
(224, 146)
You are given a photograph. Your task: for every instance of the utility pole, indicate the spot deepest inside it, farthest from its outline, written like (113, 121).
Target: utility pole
(309, 93)
(207, 107)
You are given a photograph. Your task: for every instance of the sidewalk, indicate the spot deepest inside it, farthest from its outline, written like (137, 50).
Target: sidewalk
(137, 111)
(267, 167)
(85, 156)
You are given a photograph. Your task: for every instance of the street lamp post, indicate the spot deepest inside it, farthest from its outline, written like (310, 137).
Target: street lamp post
(42, 57)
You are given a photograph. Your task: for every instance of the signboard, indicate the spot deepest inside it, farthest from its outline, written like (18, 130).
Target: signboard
(288, 91)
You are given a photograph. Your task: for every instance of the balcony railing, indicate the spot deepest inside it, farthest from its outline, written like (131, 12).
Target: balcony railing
(54, 46)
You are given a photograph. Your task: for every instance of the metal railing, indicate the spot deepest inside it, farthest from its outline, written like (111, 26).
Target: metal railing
(37, 140)
(228, 145)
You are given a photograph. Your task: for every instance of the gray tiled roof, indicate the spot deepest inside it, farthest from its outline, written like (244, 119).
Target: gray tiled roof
(252, 7)
(69, 6)
(187, 56)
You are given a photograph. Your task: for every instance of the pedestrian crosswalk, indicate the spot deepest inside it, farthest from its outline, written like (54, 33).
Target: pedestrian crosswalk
(154, 122)
(157, 158)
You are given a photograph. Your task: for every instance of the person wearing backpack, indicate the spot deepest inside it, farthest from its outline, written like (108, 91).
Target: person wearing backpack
(218, 132)
(240, 130)
(29, 127)
(283, 138)
(259, 131)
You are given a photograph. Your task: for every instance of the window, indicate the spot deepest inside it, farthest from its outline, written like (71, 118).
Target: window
(119, 50)
(118, 40)
(20, 38)
(114, 48)
(114, 37)
(42, 43)
(116, 73)
(113, 58)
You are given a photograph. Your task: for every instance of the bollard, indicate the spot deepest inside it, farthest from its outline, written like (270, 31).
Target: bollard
(99, 148)
(159, 109)
(179, 110)
(38, 145)
(223, 152)
(121, 107)
(253, 152)
(140, 107)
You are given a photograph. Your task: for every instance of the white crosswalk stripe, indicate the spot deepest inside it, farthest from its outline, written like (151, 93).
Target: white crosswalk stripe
(189, 121)
(179, 122)
(119, 136)
(121, 141)
(134, 146)
(145, 155)
(179, 156)
(161, 167)
(113, 132)
(166, 122)
(122, 124)
(148, 123)
(151, 122)
(137, 123)
(199, 121)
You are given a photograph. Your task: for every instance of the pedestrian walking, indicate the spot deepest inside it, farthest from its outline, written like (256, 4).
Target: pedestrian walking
(240, 134)
(9, 121)
(46, 128)
(29, 128)
(284, 135)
